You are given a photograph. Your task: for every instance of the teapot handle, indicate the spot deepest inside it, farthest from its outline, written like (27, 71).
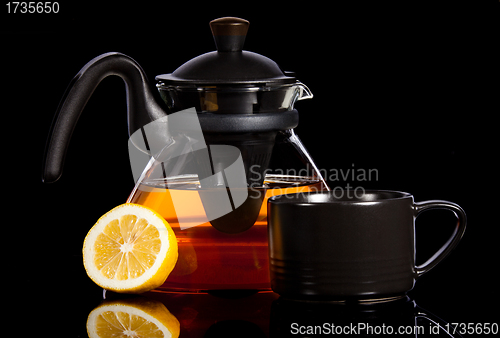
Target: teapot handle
(141, 105)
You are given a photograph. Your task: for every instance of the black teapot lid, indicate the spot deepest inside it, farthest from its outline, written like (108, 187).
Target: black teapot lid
(230, 64)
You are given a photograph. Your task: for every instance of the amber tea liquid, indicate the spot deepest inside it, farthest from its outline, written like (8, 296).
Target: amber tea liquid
(208, 258)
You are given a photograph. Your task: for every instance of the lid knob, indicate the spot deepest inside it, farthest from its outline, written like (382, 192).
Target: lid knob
(229, 33)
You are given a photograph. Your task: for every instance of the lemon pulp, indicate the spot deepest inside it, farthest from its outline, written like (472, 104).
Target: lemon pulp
(130, 249)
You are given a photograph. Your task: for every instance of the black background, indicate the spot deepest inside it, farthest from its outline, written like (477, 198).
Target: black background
(409, 89)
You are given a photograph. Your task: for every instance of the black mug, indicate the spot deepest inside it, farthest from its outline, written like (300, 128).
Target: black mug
(326, 247)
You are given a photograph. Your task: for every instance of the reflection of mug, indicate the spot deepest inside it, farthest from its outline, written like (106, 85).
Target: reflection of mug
(400, 317)
(322, 246)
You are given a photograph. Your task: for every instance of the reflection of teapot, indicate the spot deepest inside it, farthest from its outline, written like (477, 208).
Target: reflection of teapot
(205, 162)
(222, 313)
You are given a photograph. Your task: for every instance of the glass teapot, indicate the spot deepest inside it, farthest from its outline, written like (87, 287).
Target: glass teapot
(210, 159)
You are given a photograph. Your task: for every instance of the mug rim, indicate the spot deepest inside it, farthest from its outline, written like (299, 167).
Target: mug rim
(369, 196)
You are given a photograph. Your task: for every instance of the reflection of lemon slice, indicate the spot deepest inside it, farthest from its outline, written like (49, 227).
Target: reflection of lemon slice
(139, 317)
(130, 249)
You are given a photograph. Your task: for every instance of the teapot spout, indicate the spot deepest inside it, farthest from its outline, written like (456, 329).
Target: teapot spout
(296, 92)
(304, 92)
(142, 108)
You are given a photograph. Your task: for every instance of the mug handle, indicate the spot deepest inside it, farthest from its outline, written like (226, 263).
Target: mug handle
(445, 250)
(432, 318)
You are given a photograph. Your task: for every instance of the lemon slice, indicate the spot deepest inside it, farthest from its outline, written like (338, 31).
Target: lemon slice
(132, 318)
(131, 249)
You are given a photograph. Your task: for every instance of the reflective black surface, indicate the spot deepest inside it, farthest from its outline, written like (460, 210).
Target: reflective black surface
(429, 310)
